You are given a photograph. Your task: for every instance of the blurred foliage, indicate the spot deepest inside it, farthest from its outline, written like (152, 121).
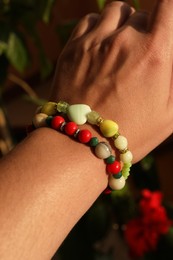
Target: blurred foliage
(19, 18)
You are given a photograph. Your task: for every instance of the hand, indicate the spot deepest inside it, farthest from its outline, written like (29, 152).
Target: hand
(120, 63)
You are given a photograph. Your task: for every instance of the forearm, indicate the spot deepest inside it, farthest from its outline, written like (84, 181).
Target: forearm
(46, 184)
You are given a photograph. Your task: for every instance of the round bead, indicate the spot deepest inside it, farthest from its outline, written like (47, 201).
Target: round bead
(126, 157)
(121, 143)
(113, 168)
(108, 128)
(116, 184)
(92, 117)
(84, 136)
(49, 108)
(94, 141)
(39, 120)
(70, 128)
(49, 120)
(107, 191)
(103, 150)
(117, 176)
(57, 122)
(110, 159)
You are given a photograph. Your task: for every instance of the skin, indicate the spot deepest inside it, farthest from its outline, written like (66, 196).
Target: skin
(120, 63)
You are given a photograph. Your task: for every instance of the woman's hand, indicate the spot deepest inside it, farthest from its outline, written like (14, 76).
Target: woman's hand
(120, 63)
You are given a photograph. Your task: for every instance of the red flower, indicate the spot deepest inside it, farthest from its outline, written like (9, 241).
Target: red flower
(142, 233)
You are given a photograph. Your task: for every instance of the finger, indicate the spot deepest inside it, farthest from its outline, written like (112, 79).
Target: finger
(85, 25)
(138, 20)
(113, 17)
(161, 23)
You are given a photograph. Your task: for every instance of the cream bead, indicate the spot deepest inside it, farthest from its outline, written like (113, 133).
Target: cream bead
(103, 150)
(121, 143)
(126, 157)
(39, 120)
(78, 113)
(92, 117)
(116, 184)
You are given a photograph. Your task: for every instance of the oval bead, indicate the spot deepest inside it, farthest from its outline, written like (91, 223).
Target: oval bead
(92, 117)
(78, 113)
(121, 143)
(49, 108)
(39, 120)
(126, 157)
(116, 184)
(108, 128)
(103, 150)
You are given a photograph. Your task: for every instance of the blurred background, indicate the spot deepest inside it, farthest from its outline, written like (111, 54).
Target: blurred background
(32, 35)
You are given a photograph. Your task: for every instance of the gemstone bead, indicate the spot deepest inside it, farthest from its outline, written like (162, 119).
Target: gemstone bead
(70, 128)
(93, 117)
(103, 150)
(62, 107)
(84, 136)
(126, 157)
(49, 108)
(108, 128)
(57, 122)
(121, 143)
(94, 141)
(78, 113)
(116, 184)
(113, 168)
(110, 159)
(39, 120)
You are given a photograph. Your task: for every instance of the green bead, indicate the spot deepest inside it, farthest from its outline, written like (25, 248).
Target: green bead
(117, 176)
(94, 141)
(62, 106)
(92, 117)
(49, 108)
(110, 159)
(49, 120)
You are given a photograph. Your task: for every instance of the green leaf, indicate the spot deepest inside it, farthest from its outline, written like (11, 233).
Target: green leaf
(101, 4)
(47, 11)
(17, 52)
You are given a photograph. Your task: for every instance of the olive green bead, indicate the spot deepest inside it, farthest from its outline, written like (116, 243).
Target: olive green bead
(108, 128)
(49, 108)
(49, 120)
(117, 176)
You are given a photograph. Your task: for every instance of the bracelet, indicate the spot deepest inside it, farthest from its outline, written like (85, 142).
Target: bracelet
(51, 115)
(81, 114)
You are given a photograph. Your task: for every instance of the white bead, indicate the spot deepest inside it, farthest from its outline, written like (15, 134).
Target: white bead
(78, 113)
(92, 117)
(116, 184)
(126, 157)
(39, 120)
(121, 142)
(103, 150)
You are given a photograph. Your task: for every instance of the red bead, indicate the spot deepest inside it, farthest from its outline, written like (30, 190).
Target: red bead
(113, 168)
(57, 122)
(70, 128)
(107, 191)
(84, 136)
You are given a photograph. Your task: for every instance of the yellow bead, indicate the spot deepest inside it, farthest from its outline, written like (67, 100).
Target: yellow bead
(49, 108)
(108, 128)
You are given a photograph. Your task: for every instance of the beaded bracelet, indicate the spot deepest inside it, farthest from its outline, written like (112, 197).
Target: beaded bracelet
(81, 113)
(102, 150)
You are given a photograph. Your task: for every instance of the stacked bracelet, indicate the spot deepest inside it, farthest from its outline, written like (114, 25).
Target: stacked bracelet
(51, 115)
